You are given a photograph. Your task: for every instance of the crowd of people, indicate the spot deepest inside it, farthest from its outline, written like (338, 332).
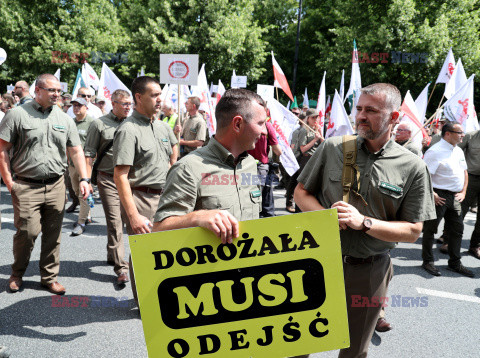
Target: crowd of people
(149, 165)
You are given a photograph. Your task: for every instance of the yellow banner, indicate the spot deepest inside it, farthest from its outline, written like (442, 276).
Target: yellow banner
(277, 291)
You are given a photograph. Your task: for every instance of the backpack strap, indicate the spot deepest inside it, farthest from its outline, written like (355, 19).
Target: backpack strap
(349, 164)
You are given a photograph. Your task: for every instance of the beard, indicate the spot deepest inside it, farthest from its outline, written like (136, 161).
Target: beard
(367, 132)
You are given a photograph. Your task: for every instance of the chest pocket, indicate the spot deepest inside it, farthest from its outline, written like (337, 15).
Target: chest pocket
(59, 134)
(219, 202)
(390, 190)
(255, 204)
(165, 145)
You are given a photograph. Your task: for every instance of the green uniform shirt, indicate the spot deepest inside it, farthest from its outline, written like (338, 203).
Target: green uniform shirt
(294, 142)
(171, 121)
(24, 100)
(40, 140)
(206, 180)
(100, 133)
(194, 128)
(82, 128)
(304, 137)
(146, 147)
(394, 182)
(411, 147)
(471, 147)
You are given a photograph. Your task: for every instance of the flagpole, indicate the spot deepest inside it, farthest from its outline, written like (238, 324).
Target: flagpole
(178, 113)
(276, 88)
(431, 94)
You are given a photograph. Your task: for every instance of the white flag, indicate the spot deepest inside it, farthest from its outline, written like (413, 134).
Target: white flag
(355, 83)
(460, 107)
(447, 68)
(305, 99)
(339, 123)
(321, 104)
(421, 103)
(57, 74)
(411, 115)
(284, 123)
(32, 89)
(457, 80)
(108, 84)
(220, 91)
(342, 87)
(90, 76)
(202, 91)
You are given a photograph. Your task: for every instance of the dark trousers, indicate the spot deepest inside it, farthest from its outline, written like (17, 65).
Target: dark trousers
(452, 213)
(267, 178)
(365, 280)
(302, 162)
(472, 196)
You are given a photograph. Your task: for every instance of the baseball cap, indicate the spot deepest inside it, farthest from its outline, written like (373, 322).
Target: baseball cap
(79, 100)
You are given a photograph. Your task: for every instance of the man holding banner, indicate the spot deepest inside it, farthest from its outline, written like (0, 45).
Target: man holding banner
(216, 186)
(383, 206)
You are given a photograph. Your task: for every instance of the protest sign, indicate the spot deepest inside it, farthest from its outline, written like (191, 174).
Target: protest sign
(179, 69)
(277, 291)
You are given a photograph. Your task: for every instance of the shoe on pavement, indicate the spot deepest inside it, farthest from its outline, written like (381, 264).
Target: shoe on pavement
(290, 209)
(431, 269)
(14, 283)
(441, 240)
(55, 288)
(383, 326)
(462, 270)
(444, 249)
(71, 208)
(122, 278)
(79, 229)
(475, 252)
(89, 220)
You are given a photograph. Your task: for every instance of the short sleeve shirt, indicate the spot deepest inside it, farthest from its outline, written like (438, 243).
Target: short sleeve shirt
(304, 137)
(194, 128)
(394, 182)
(99, 135)
(145, 146)
(209, 179)
(296, 147)
(471, 147)
(447, 166)
(40, 140)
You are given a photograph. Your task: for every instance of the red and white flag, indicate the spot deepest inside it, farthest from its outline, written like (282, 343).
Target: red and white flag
(460, 107)
(108, 83)
(411, 115)
(220, 90)
(202, 91)
(339, 123)
(457, 80)
(321, 104)
(447, 68)
(280, 79)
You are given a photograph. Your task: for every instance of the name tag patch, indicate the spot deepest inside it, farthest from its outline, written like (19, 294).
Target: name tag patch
(255, 193)
(391, 187)
(164, 140)
(193, 130)
(57, 126)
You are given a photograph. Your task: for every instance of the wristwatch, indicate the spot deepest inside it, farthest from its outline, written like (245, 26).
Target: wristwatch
(86, 179)
(367, 224)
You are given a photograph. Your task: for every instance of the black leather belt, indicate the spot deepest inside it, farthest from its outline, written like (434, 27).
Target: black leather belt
(148, 190)
(40, 181)
(360, 261)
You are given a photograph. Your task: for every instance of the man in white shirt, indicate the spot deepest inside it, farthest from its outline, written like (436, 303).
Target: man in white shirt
(448, 168)
(92, 110)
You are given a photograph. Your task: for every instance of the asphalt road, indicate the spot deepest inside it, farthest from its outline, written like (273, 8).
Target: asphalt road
(33, 323)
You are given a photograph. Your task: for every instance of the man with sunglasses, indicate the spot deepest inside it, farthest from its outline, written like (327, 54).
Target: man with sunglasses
(92, 110)
(100, 140)
(22, 90)
(447, 165)
(34, 141)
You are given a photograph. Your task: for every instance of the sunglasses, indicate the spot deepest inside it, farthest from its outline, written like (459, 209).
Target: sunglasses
(85, 95)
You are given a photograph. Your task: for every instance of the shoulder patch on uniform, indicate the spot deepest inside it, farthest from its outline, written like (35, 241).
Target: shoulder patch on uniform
(57, 126)
(255, 193)
(193, 130)
(391, 187)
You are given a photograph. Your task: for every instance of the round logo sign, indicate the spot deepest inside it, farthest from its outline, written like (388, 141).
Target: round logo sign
(178, 69)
